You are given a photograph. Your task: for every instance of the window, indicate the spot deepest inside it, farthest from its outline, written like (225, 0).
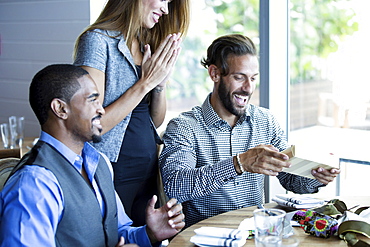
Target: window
(96, 7)
(329, 100)
(190, 83)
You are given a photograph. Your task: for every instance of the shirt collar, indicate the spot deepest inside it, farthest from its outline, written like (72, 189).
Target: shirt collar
(59, 146)
(211, 117)
(90, 156)
(91, 159)
(122, 47)
(114, 33)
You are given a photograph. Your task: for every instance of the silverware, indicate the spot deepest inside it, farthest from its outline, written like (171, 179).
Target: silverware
(266, 211)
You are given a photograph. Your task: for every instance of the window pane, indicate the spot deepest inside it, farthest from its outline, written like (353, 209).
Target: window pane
(329, 86)
(190, 83)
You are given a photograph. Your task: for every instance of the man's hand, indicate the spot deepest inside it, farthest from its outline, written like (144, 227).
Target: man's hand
(325, 176)
(264, 159)
(164, 222)
(121, 243)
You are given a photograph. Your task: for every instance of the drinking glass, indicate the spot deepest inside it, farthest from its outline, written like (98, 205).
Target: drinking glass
(20, 131)
(16, 125)
(13, 131)
(5, 136)
(290, 242)
(269, 226)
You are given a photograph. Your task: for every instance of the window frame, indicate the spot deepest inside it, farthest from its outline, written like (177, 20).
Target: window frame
(274, 70)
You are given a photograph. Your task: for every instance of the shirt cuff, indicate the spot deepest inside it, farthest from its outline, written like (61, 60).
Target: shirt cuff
(226, 170)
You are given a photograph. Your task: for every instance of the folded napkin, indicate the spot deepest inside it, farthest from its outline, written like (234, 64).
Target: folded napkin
(298, 202)
(216, 236)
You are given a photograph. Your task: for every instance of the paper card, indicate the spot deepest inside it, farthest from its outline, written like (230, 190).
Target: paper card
(302, 165)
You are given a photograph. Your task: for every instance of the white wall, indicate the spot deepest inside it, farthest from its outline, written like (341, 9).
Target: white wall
(34, 34)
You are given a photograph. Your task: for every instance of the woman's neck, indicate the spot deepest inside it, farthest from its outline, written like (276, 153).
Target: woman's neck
(136, 52)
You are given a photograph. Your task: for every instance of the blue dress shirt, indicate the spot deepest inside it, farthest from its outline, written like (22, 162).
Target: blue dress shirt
(32, 202)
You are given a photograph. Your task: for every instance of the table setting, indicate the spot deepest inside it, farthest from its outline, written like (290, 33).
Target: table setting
(12, 132)
(318, 223)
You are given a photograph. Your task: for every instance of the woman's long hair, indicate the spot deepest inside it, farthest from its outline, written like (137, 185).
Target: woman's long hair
(125, 16)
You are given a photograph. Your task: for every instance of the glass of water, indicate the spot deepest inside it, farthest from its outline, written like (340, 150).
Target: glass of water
(5, 135)
(269, 226)
(16, 125)
(20, 131)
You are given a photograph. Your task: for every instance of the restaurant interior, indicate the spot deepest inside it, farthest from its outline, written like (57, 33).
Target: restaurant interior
(314, 81)
(312, 71)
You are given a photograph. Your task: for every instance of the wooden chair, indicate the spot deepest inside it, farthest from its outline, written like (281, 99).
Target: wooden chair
(10, 153)
(6, 166)
(162, 197)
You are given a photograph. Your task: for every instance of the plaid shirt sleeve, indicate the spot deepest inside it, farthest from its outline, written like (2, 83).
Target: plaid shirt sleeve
(178, 162)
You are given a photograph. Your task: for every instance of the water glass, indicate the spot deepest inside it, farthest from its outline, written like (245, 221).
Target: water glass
(269, 227)
(5, 136)
(290, 242)
(20, 131)
(16, 125)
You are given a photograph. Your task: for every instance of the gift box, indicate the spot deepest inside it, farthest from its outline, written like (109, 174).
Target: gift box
(317, 224)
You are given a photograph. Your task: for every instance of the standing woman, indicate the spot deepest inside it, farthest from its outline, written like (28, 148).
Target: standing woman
(129, 52)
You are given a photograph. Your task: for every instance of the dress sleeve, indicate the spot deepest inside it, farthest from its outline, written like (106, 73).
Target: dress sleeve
(298, 184)
(31, 205)
(131, 234)
(92, 51)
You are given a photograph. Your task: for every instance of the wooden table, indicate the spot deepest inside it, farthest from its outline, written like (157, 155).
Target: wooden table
(27, 144)
(232, 219)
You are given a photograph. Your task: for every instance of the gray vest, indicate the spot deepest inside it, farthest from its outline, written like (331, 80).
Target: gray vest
(82, 223)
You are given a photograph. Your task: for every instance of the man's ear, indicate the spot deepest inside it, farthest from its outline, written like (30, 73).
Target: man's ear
(59, 108)
(214, 73)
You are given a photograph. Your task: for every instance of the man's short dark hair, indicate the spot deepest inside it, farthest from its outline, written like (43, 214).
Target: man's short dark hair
(53, 81)
(222, 47)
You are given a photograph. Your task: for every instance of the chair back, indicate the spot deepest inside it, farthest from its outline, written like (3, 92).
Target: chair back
(162, 197)
(10, 153)
(6, 166)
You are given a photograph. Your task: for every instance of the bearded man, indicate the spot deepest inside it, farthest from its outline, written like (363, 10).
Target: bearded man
(216, 156)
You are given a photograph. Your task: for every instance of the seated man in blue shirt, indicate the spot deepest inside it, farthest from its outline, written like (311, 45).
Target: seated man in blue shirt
(216, 156)
(61, 193)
